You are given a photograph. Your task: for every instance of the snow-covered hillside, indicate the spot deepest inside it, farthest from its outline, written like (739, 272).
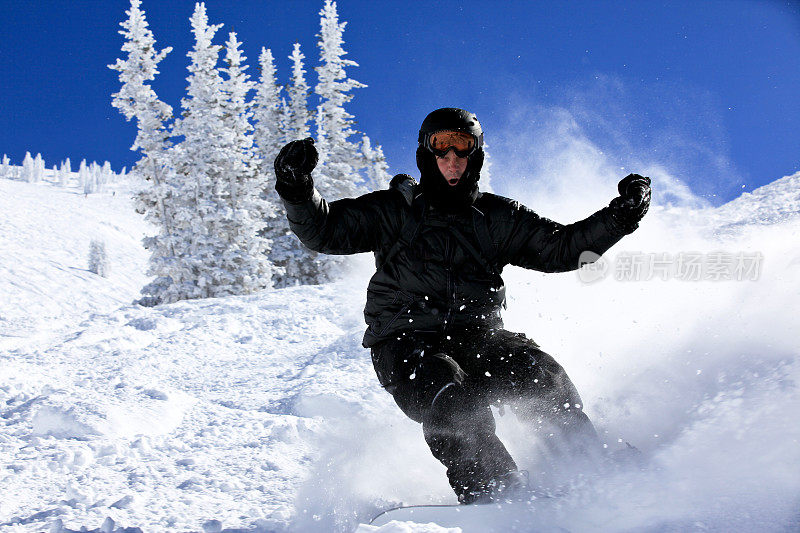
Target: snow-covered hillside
(775, 202)
(261, 413)
(46, 233)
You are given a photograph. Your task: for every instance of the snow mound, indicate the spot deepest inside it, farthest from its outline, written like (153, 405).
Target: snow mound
(126, 414)
(772, 203)
(407, 527)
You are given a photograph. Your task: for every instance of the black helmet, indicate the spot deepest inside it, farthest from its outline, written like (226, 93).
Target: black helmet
(451, 119)
(437, 192)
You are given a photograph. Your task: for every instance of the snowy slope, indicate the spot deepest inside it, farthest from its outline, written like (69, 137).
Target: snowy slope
(46, 232)
(159, 418)
(261, 413)
(771, 203)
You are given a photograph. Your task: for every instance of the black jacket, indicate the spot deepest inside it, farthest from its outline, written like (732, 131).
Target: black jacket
(445, 273)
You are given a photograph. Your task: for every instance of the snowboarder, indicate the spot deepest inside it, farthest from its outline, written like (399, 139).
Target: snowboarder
(433, 305)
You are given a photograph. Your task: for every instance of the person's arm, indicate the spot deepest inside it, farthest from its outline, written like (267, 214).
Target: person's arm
(346, 226)
(541, 244)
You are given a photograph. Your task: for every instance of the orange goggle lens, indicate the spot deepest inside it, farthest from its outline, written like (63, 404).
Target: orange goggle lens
(441, 142)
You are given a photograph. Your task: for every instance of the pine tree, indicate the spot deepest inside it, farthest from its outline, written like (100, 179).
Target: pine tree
(92, 183)
(196, 197)
(27, 168)
(137, 100)
(5, 167)
(270, 135)
(65, 173)
(245, 257)
(340, 158)
(84, 178)
(486, 170)
(98, 259)
(269, 131)
(378, 176)
(297, 115)
(220, 253)
(38, 168)
(337, 174)
(297, 264)
(106, 174)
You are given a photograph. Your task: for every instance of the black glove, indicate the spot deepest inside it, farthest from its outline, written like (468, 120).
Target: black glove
(633, 201)
(293, 168)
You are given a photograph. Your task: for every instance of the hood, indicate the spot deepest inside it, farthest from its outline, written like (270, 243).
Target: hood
(438, 193)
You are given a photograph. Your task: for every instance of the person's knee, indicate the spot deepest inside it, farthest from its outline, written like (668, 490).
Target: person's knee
(549, 381)
(456, 408)
(433, 391)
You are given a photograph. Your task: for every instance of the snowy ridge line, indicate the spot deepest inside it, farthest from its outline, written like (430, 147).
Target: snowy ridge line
(89, 178)
(769, 204)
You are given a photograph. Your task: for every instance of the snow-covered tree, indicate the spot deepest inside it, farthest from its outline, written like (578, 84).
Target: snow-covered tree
(92, 185)
(5, 167)
(38, 168)
(106, 175)
(268, 132)
(220, 253)
(346, 168)
(137, 100)
(297, 115)
(486, 170)
(337, 174)
(27, 168)
(340, 159)
(244, 257)
(65, 173)
(98, 259)
(84, 177)
(378, 176)
(195, 160)
(278, 123)
(270, 136)
(187, 197)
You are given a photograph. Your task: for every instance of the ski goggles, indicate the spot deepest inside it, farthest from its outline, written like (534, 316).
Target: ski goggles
(441, 142)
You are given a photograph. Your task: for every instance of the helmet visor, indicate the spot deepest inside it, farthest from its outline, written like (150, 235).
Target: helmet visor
(442, 141)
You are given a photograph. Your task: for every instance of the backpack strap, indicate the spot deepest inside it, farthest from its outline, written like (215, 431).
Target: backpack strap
(486, 256)
(481, 227)
(406, 185)
(489, 250)
(479, 257)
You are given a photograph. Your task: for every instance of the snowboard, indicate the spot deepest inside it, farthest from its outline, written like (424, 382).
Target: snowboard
(478, 518)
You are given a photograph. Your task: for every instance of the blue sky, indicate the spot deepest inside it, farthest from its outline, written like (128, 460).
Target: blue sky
(706, 88)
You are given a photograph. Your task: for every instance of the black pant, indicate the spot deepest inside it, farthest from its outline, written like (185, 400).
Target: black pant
(447, 382)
